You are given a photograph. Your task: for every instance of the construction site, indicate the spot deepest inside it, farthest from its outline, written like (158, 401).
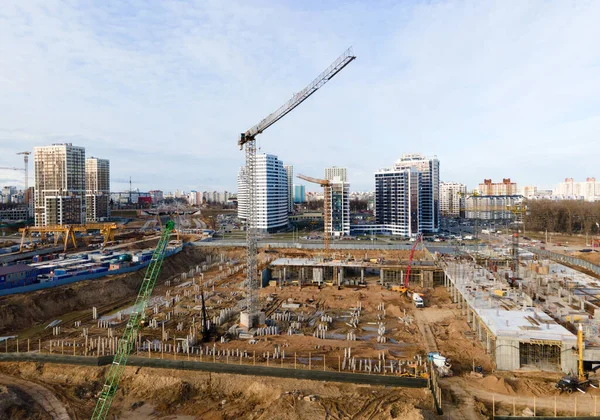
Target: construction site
(209, 330)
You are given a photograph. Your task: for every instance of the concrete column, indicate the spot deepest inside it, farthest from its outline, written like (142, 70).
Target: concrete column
(479, 331)
(362, 275)
(487, 341)
(341, 276)
(282, 280)
(381, 276)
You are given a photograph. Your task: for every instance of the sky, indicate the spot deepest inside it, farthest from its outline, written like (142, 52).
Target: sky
(495, 89)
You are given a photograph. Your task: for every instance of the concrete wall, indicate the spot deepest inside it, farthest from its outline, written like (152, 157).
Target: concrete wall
(507, 354)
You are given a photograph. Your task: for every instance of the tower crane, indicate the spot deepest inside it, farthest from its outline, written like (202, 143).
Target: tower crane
(517, 210)
(25, 169)
(248, 139)
(26, 162)
(326, 184)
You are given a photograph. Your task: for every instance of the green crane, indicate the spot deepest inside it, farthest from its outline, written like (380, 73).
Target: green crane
(133, 325)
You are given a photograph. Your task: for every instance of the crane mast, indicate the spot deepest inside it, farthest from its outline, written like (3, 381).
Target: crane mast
(248, 139)
(127, 341)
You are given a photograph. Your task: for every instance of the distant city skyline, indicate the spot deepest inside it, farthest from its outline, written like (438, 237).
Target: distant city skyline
(490, 91)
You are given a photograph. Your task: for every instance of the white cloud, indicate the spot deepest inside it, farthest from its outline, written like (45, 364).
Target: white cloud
(163, 89)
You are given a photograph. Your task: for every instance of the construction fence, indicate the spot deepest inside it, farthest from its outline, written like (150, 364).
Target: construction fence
(566, 259)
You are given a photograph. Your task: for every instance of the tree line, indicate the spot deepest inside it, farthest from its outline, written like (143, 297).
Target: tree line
(564, 216)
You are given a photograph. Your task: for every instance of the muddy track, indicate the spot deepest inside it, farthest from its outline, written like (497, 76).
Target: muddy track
(41, 395)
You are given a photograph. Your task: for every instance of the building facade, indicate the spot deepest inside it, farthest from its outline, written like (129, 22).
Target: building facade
(271, 194)
(397, 201)
(506, 187)
(588, 190)
(289, 173)
(59, 185)
(452, 198)
(340, 207)
(97, 183)
(491, 207)
(299, 194)
(429, 193)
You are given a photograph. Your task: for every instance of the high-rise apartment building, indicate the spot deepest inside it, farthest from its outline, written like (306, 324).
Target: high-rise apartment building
(299, 194)
(340, 207)
(97, 183)
(340, 201)
(271, 194)
(506, 187)
(452, 198)
(59, 184)
(397, 200)
(588, 190)
(529, 191)
(334, 171)
(429, 193)
(289, 172)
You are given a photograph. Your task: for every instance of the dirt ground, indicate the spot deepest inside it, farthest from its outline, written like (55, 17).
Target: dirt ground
(23, 311)
(159, 393)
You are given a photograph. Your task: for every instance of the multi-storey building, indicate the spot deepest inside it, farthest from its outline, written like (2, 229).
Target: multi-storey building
(299, 194)
(271, 194)
(97, 183)
(334, 171)
(588, 190)
(397, 200)
(491, 207)
(529, 191)
(289, 173)
(8, 194)
(157, 196)
(59, 184)
(340, 200)
(452, 198)
(429, 193)
(506, 187)
(340, 207)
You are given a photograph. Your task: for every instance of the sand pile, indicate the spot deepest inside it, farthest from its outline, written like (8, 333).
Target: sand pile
(498, 385)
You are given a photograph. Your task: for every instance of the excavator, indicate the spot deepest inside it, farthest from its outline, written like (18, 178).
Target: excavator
(581, 381)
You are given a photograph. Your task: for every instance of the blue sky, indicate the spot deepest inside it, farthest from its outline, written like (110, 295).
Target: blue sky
(163, 88)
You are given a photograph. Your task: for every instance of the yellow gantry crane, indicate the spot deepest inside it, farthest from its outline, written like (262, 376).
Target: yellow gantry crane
(67, 232)
(326, 184)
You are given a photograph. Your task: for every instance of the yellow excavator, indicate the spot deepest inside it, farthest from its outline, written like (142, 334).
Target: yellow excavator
(580, 381)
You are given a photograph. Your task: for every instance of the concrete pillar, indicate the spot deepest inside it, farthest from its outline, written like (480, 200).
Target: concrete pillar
(341, 276)
(487, 341)
(362, 275)
(381, 276)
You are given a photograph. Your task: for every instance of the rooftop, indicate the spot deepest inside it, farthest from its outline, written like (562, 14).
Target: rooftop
(17, 268)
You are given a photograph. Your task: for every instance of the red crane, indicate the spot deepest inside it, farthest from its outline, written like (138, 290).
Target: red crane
(410, 260)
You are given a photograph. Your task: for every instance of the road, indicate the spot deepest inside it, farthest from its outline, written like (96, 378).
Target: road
(45, 398)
